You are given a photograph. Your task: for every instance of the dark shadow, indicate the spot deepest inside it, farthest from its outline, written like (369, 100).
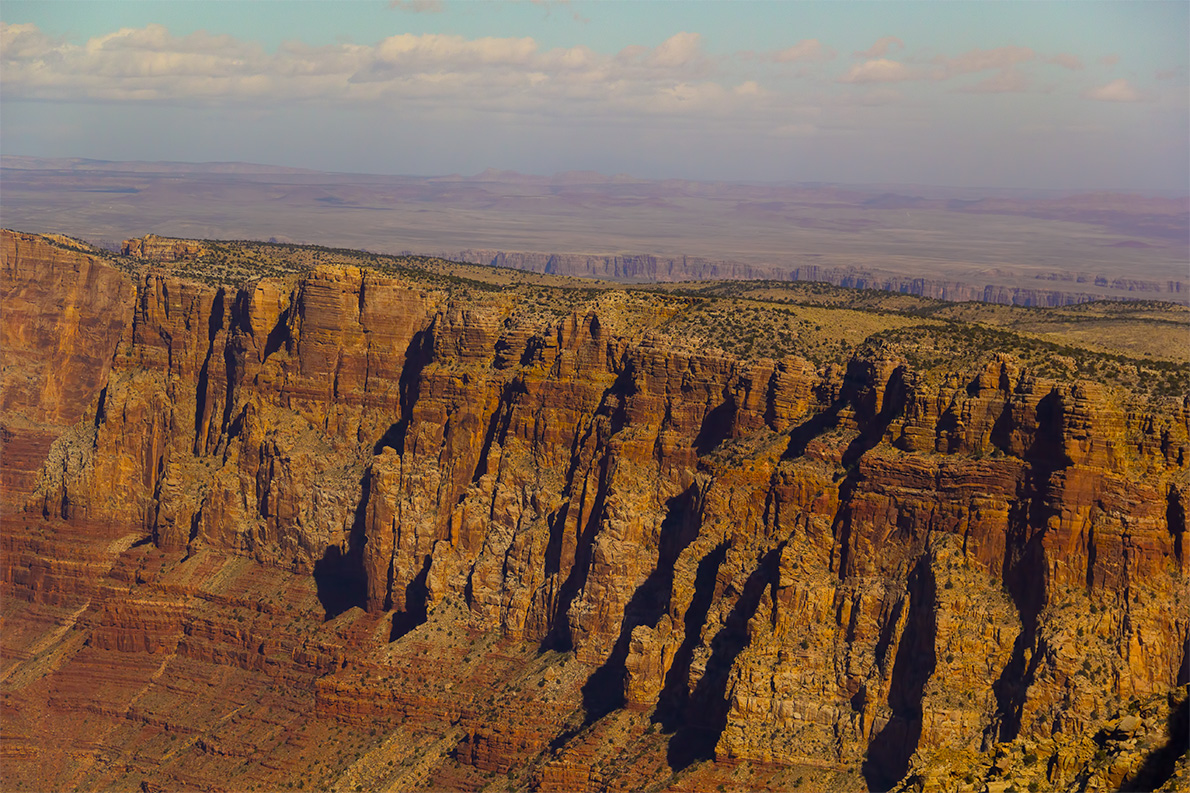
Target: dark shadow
(417, 355)
(604, 690)
(498, 424)
(339, 577)
(1175, 520)
(841, 528)
(553, 549)
(614, 406)
(872, 428)
(675, 695)
(810, 429)
(391, 438)
(232, 354)
(948, 422)
(716, 427)
(214, 325)
(888, 755)
(1160, 765)
(559, 636)
(340, 585)
(1024, 570)
(278, 336)
(142, 542)
(1003, 428)
(705, 714)
(417, 596)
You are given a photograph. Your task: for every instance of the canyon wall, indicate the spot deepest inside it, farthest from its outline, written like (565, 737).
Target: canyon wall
(647, 268)
(864, 567)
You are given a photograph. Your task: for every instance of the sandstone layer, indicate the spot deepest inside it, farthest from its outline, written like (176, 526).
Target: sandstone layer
(350, 530)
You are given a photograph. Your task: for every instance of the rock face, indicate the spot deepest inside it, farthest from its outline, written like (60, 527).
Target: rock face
(862, 570)
(162, 249)
(63, 315)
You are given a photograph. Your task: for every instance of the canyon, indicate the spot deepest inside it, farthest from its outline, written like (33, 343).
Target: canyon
(338, 527)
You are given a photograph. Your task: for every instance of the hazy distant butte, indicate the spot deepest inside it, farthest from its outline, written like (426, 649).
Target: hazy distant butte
(1002, 245)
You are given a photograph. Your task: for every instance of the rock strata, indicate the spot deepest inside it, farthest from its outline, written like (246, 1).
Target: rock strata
(556, 550)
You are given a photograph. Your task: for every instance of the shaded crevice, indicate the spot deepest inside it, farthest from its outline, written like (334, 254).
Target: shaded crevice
(842, 528)
(1175, 521)
(231, 368)
(1024, 580)
(716, 427)
(418, 355)
(872, 430)
(498, 425)
(339, 583)
(278, 335)
(1161, 764)
(556, 524)
(417, 597)
(810, 429)
(675, 694)
(1024, 572)
(339, 576)
(889, 752)
(214, 325)
(559, 638)
(604, 690)
(705, 714)
(1002, 429)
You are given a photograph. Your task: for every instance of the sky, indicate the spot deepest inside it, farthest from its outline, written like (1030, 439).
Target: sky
(1052, 95)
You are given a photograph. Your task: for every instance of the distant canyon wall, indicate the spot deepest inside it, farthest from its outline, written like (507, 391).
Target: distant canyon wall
(649, 268)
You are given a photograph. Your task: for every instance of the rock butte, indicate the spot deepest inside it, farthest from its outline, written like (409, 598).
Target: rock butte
(340, 531)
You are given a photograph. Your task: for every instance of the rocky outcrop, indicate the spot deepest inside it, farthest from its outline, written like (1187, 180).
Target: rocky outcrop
(162, 249)
(857, 569)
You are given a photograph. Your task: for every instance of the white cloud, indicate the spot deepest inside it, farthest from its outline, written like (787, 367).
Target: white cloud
(805, 50)
(678, 50)
(150, 64)
(1115, 91)
(881, 47)
(880, 70)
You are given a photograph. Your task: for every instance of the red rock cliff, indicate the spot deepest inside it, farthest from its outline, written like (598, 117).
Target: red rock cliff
(792, 567)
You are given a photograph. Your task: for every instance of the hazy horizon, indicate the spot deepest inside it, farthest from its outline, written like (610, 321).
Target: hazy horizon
(1047, 96)
(973, 189)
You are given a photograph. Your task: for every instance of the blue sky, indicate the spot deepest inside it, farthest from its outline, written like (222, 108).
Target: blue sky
(1037, 94)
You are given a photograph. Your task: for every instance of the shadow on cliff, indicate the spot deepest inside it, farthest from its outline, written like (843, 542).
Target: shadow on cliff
(339, 576)
(889, 752)
(698, 717)
(1159, 766)
(604, 690)
(613, 407)
(1024, 573)
(339, 580)
(854, 393)
(418, 355)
